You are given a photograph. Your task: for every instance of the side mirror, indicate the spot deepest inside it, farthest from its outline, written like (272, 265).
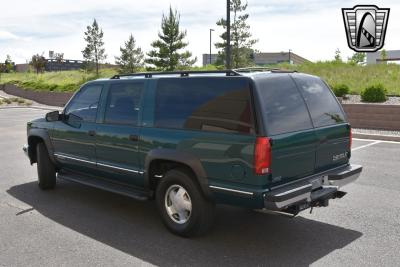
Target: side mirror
(53, 116)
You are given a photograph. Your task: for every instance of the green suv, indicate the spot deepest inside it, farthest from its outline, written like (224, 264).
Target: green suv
(268, 139)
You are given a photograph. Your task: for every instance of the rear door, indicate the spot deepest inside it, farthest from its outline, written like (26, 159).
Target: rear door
(331, 127)
(117, 133)
(288, 124)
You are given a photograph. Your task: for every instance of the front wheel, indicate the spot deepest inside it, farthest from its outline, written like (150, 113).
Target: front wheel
(183, 208)
(45, 168)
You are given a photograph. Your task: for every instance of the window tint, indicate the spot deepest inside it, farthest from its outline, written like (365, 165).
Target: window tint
(85, 102)
(219, 104)
(123, 103)
(321, 102)
(284, 109)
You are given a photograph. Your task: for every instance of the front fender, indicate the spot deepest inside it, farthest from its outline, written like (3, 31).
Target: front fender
(33, 134)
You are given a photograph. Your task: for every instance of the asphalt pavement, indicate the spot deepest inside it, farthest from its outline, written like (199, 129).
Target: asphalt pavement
(75, 225)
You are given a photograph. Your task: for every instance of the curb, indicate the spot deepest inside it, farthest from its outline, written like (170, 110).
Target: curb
(377, 137)
(39, 108)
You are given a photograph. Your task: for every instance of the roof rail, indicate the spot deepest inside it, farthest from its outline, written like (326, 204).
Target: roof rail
(261, 69)
(181, 73)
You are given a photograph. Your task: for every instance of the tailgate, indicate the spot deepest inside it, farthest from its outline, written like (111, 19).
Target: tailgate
(333, 147)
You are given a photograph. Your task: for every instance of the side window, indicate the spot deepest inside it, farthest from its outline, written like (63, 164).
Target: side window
(85, 102)
(321, 102)
(283, 107)
(123, 103)
(219, 104)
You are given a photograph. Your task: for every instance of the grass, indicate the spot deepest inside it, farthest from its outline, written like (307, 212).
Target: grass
(356, 77)
(63, 81)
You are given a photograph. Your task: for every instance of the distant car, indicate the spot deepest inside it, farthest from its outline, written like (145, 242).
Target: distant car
(261, 139)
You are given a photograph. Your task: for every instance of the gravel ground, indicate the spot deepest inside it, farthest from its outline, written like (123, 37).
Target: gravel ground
(356, 99)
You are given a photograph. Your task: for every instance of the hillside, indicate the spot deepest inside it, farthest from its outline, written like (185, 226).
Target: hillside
(356, 77)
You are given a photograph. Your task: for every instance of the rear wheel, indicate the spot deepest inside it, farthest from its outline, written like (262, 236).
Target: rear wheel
(183, 208)
(45, 168)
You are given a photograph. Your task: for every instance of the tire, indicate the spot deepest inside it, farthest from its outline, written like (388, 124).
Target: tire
(45, 168)
(179, 184)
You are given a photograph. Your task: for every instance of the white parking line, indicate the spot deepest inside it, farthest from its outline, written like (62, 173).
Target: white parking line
(375, 140)
(367, 145)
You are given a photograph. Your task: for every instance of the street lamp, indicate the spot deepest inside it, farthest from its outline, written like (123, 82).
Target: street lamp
(211, 30)
(228, 34)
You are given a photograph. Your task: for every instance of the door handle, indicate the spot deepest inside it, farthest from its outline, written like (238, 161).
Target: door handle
(134, 137)
(92, 133)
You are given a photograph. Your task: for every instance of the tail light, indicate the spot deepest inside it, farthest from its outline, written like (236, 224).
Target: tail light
(262, 156)
(350, 139)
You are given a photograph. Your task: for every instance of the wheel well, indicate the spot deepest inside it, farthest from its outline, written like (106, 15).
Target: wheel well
(159, 167)
(32, 142)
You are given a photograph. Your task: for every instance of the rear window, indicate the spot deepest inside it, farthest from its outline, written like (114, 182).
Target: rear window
(322, 104)
(283, 107)
(219, 105)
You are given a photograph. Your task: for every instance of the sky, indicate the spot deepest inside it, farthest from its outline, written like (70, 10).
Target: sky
(313, 29)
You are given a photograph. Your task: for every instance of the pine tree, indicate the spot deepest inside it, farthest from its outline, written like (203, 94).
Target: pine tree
(241, 37)
(94, 50)
(166, 54)
(131, 59)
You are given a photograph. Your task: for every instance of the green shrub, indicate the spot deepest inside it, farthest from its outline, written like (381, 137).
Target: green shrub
(374, 93)
(340, 90)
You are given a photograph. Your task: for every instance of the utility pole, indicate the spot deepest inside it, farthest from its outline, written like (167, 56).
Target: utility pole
(211, 30)
(228, 34)
(290, 51)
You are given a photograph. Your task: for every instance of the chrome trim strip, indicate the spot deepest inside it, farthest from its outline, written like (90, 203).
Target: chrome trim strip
(100, 164)
(232, 190)
(293, 190)
(119, 168)
(73, 158)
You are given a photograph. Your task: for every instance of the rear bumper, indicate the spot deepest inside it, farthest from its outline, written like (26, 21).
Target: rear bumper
(313, 191)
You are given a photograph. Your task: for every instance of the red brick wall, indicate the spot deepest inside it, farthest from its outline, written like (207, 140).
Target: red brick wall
(373, 116)
(45, 97)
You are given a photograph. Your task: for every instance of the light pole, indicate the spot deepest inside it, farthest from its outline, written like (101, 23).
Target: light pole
(228, 34)
(211, 30)
(290, 60)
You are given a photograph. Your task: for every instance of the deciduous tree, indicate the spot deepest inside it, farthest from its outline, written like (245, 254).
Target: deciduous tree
(38, 62)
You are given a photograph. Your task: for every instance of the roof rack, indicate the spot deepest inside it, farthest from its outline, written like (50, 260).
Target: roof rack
(261, 69)
(181, 73)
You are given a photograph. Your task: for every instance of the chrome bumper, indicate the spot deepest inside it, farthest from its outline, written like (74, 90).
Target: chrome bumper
(312, 190)
(25, 148)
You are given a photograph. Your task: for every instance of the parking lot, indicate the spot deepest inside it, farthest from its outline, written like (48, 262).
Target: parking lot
(74, 225)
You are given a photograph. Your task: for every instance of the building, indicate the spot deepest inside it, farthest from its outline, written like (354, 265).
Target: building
(261, 59)
(60, 65)
(64, 64)
(376, 57)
